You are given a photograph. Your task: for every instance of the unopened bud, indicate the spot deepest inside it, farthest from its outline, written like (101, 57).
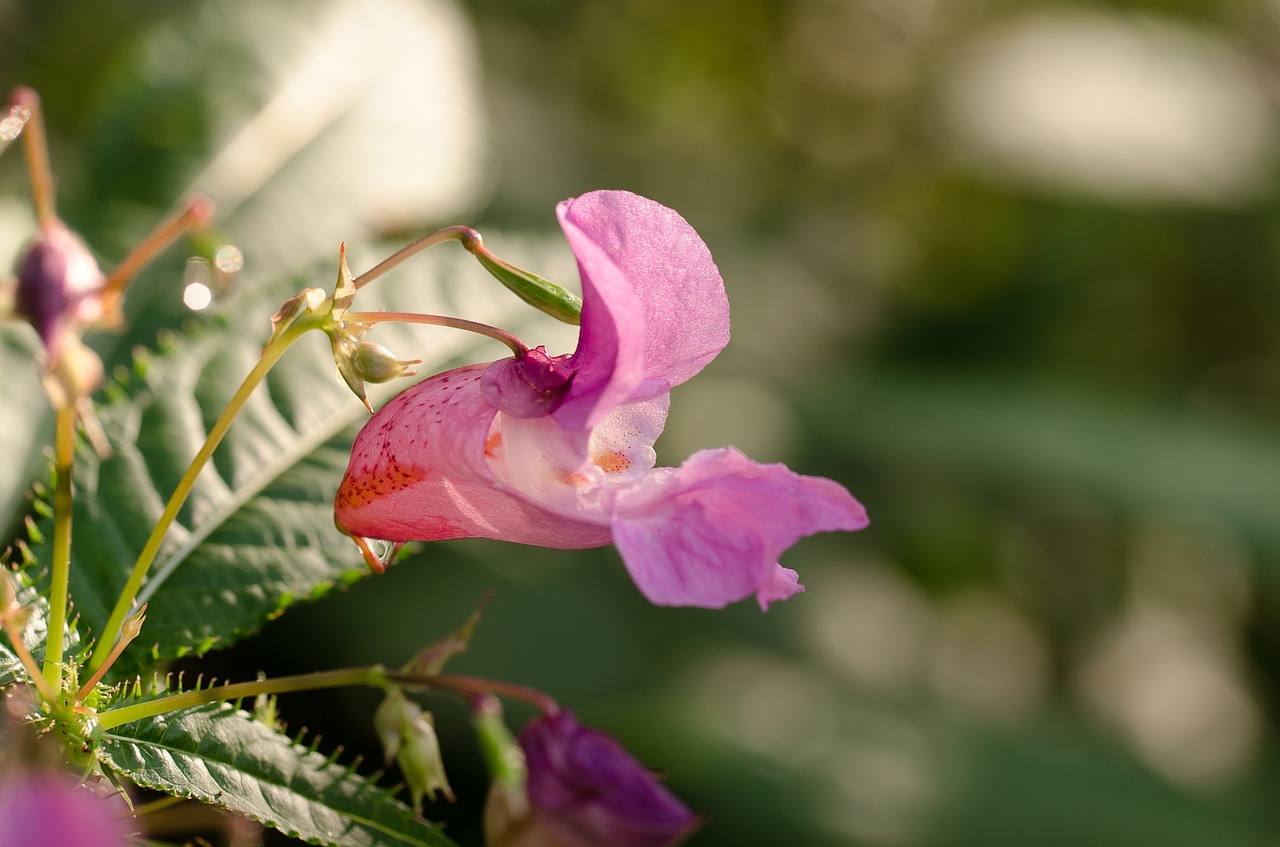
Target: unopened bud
(420, 761)
(364, 361)
(344, 343)
(303, 308)
(132, 626)
(59, 287)
(431, 659)
(378, 364)
(555, 300)
(390, 720)
(506, 810)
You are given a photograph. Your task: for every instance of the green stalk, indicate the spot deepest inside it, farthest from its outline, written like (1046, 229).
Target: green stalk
(373, 675)
(64, 459)
(270, 355)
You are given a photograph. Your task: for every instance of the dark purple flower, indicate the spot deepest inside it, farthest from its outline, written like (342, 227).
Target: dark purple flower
(586, 790)
(49, 809)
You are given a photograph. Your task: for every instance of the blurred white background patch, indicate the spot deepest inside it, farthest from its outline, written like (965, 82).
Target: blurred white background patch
(1130, 109)
(365, 116)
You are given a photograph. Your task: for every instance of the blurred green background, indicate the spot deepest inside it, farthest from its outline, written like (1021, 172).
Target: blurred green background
(1008, 270)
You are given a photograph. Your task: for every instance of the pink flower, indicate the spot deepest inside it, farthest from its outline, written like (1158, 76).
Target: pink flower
(558, 451)
(48, 809)
(584, 790)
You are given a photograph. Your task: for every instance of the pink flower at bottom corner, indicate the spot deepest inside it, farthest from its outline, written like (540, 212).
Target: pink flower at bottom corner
(47, 808)
(557, 451)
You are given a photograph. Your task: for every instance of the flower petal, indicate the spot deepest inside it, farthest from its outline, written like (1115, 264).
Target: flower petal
(710, 532)
(50, 809)
(578, 472)
(419, 472)
(588, 790)
(654, 307)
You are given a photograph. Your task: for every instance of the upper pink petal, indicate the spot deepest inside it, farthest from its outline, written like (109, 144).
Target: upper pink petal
(710, 532)
(654, 307)
(419, 472)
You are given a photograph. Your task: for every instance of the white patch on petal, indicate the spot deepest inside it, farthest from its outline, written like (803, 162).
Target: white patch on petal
(621, 445)
(577, 471)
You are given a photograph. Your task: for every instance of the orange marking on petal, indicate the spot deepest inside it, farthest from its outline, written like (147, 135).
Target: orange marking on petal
(611, 462)
(356, 491)
(573, 478)
(492, 445)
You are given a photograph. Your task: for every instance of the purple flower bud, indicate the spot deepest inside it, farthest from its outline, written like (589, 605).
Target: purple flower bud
(49, 809)
(59, 286)
(586, 790)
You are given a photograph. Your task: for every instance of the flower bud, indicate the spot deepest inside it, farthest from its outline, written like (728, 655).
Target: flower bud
(556, 301)
(389, 721)
(420, 762)
(409, 736)
(344, 342)
(377, 364)
(364, 361)
(506, 810)
(585, 789)
(59, 287)
(303, 310)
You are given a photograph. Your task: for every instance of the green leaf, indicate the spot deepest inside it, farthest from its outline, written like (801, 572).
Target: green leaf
(257, 533)
(11, 669)
(220, 755)
(25, 424)
(34, 634)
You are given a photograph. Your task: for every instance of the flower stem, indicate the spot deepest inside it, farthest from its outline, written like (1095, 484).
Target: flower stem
(60, 572)
(36, 147)
(477, 687)
(372, 675)
(375, 676)
(128, 632)
(13, 619)
(517, 346)
(197, 212)
(270, 355)
(464, 234)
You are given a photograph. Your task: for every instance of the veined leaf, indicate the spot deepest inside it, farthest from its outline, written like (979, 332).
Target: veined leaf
(10, 667)
(34, 634)
(220, 755)
(257, 532)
